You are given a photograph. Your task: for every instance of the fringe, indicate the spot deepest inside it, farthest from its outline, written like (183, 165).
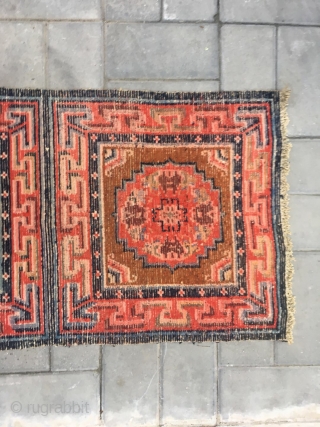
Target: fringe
(285, 215)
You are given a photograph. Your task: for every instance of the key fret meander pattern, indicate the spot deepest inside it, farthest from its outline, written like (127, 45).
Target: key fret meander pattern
(82, 288)
(22, 293)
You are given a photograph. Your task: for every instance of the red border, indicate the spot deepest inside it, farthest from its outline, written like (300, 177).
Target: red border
(138, 119)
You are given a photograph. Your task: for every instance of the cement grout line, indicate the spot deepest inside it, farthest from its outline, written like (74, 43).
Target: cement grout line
(280, 24)
(273, 354)
(226, 24)
(161, 358)
(219, 44)
(268, 423)
(102, 10)
(177, 21)
(44, 20)
(276, 57)
(162, 80)
(100, 383)
(45, 53)
(50, 358)
(297, 138)
(137, 22)
(161, 21)
(216, 369)
(169, 22)
(273, 367)
(29, 373)
(65, 371)
(104, 81)
(293, 193)
(48, 372)
(161, 10)
(162, 355)
(159, 413)
(306, 250)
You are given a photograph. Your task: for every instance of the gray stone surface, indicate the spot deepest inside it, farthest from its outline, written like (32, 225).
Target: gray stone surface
(75, 358)
(246, 353)
(130, 385)
(165, 85)
(298, 70)
(305, 349)
(21, 55)
(271, 11)
(75, 55)
(189, 392)
(128, 10)
(270, 394)
(305, 225)
(49, 9)
(162, 51)
(189, 10)
(248, 57)
(47, 400)
(304, 174)
(278, 424)
(25, 360)
(173, 56)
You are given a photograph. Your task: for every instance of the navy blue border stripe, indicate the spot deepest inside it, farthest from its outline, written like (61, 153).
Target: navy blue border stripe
(50, 263)
(36, 339)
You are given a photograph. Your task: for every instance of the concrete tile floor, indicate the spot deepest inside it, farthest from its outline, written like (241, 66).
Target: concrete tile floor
(177, 45)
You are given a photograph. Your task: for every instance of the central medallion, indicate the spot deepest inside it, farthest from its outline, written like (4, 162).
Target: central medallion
(169, 215)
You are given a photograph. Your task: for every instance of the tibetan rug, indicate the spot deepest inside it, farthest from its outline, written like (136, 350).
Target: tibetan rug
(130, 217)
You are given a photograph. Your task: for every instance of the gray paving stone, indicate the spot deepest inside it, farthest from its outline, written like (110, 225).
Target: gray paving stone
(48, 9)
(75, 55)
(304, 174)
(130, 385)
(270, 394)
(165, 85)
(271, 11)
(162, 51)
(304, 222)
(298, 69)
(24, 360)
(248, 57)
(285, 424)
(21, 55)
(303, 424)
(189, 10)
(128, 10)
(189, 392)
(246, 353)
(75, 358)
(48, 400)
(305, 349)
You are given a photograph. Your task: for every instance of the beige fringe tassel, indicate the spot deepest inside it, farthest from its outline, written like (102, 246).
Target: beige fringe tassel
(285, 216)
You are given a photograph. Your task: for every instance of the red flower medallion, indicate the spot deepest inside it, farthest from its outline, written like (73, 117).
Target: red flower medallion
(169, 215)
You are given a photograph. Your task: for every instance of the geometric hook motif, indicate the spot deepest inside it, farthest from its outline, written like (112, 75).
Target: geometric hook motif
(153, 217)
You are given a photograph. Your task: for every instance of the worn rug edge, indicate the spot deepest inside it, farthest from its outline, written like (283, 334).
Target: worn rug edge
(285, 220)
(285, 214)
